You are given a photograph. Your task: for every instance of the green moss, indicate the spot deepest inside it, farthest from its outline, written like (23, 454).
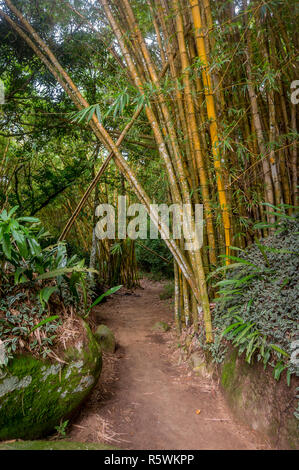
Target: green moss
(55, 445)
(105, 338)
(293, 433)
(228, 371)
(259, 401)
(161, 326)
(35, 395)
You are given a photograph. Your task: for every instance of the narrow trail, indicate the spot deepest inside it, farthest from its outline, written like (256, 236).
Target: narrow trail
(144, 399)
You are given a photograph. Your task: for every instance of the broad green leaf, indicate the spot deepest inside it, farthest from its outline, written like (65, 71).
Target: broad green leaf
(34, 246)
(230, 327)
(46, 293)
(32, 220)
(62, 271)
(6, 246)
(19, 276)
(278, 349)
(12, 211)
(44, 322)
(100, 298)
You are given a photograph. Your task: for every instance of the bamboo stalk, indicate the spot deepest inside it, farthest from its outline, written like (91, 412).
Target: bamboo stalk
(104, 137)
(196, 16)
(194, 131)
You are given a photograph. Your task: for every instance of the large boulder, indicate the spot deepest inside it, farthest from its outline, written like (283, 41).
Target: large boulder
(105, 338)
(36, 395)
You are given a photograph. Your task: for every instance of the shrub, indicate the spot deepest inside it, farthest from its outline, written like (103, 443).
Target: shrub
(257, 307)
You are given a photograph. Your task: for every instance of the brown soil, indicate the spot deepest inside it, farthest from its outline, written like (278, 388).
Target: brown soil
(144, 399)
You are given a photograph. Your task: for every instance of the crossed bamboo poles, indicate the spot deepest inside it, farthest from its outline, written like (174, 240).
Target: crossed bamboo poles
(194, 273)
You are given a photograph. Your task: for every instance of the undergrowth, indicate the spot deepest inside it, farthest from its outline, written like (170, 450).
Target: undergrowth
(168, 291)
(257, 307)
(42, 289)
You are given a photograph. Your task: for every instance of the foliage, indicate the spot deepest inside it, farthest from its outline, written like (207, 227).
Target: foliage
(61, 429)
(102, 296)
(168, 291)
(154, 261)
(31, 308)
(62, 385)
(257, 307)
(20, 315)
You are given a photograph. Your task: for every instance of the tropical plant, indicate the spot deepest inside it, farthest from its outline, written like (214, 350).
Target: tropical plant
(256, 308)
(246, 337)
(36, 282)
(61, 428)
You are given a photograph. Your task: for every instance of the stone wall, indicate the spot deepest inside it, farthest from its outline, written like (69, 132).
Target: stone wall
(260, 401)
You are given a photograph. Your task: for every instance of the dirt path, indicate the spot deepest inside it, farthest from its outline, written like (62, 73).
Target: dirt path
(144, 400)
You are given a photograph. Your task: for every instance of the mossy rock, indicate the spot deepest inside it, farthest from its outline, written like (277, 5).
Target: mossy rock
(199, 366)
(161, 326)
(105, 338)
(228, 371)
(54, 445)
(36, 395)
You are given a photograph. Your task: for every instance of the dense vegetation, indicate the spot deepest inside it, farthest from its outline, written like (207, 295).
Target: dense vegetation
(43, 290)
(257, 307)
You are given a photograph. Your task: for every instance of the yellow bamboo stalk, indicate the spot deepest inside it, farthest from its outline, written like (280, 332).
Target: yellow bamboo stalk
(177, 315)
(157, 30)
(201, 49)
(194, 130)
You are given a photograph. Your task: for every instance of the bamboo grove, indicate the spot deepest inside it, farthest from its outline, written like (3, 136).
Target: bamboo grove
(213, 82)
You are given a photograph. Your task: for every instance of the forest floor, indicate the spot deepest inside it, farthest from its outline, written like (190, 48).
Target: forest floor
(145, 399)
